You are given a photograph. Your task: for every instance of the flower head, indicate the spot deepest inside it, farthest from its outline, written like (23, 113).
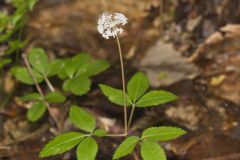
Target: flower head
(110, 24)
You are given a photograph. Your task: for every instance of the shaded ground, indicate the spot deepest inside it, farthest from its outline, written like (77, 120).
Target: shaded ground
(192, 50)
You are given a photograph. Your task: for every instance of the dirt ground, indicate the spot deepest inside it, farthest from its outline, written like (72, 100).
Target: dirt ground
(189, 47)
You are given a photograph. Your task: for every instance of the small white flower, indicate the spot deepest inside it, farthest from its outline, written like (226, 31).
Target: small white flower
(110, 24)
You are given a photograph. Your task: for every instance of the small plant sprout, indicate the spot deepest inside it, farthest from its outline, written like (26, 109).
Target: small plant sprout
(135, 95)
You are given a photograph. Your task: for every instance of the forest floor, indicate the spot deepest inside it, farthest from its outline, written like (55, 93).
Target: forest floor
(189, 47)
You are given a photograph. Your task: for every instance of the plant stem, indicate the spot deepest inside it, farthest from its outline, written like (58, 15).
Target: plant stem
(135, 155)
(131, 116)
(40, 90)
(49, 84)
(116, 135)
(123, 86)
(31, 74)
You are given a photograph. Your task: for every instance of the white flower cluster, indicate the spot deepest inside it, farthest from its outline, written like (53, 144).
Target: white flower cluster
(109, 25)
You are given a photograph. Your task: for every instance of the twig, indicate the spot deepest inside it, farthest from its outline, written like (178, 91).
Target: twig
(40, 90)
(131, 115)
(49, 84)
(135, 155)
(123, 86)
(116, 135)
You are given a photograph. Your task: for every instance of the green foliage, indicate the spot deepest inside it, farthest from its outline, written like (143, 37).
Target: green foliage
(10, 24)
(114, 95)
(38, 108)
(79, 85)
(14, 45)
(55, 67)
(154, 98)
(162, 133)
(78, 71)
(87, 149)
(39, 60)
(126, 147)
(87, 146)
(137, 86)
(22, 74)
(152, 151)
(36, 111)
(93, 68)
(41, 67)
(100, 133)
(4, 62)
(55, 97)
(62, 143)
(73, 64)
(82, 119)
(32, 97)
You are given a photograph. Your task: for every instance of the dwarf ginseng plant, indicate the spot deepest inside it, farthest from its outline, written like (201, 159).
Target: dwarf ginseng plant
(134, 95)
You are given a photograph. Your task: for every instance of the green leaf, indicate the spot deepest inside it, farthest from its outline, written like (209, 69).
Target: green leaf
(87, 149)
(82, 119)
(100, 133)
(36, 111)
(22, 75)
(32, 4)
(154, 98)
(162, 133)
(137, 86)
(14, 46)
(152, 151)
(55, 97)
(62, 143)
(39, 60)
(32, 97)
(114, 95)
(4, 62)
(4, 21)
(55, 67)
(62, 73)
(66, 85)
(93, 68)
(73, 64)
(80, 85)
(126, 147)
